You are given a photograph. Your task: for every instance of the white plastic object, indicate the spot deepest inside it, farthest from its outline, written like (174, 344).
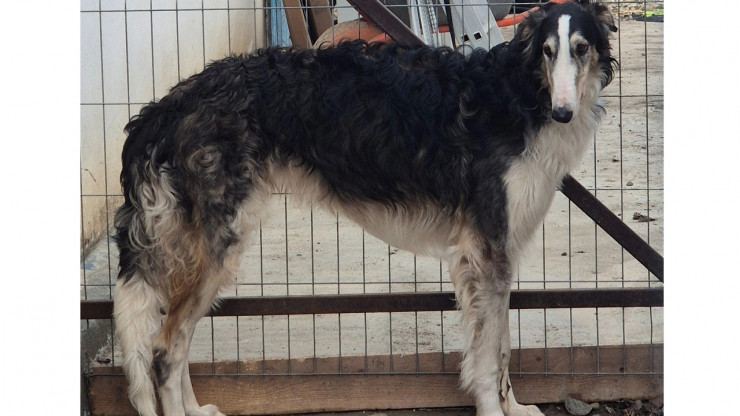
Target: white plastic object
(474, 24)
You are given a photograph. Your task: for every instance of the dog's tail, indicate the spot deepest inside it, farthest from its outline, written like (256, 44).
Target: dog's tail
(140, 291)
(137, 314)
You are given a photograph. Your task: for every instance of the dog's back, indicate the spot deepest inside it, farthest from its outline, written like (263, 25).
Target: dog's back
(379, 123)
(372, 120)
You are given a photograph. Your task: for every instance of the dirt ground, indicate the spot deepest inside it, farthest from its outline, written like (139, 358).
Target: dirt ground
(622, 408)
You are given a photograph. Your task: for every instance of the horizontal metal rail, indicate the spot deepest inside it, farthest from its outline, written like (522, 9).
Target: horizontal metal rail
(408, 302)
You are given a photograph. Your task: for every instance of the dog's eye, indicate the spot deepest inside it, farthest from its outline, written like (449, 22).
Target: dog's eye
(582, 49)
(547, 51)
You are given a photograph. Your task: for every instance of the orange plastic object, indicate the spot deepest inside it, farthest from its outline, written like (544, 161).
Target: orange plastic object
(354, 29)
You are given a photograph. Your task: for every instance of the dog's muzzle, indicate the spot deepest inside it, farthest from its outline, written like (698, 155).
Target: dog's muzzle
(562, 114)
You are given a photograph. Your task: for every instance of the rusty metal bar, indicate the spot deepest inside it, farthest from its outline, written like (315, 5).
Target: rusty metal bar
(409, 302)
(613, 226)
(96, 309)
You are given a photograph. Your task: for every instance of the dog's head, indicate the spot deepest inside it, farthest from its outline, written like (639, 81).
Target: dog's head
(568, 44)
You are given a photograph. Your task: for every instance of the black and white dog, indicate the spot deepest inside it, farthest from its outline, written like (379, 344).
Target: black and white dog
(442, 154)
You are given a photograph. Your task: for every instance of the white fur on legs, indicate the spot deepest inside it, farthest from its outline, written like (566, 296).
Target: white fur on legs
(510, 405)
(485, 367)
(207, 410)
(482, 288)
(178, 397)
(173, 343)
(512, 408)
(137, 317)
(482, 292)
(170, 393)
(522, 410)
(191, 403)
(176, 394)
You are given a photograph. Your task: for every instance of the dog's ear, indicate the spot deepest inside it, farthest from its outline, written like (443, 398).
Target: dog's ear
(526, 33)
(602, 13)
(527, 27)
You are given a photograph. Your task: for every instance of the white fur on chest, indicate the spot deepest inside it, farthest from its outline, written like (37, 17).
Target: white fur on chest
(533, 176)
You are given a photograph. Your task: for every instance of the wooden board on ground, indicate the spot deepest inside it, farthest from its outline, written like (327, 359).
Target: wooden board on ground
(427, 381)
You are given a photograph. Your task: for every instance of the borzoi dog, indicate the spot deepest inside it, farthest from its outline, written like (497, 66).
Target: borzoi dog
(445, 154)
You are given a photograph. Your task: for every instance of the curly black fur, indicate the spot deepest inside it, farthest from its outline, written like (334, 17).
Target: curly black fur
(379, 122)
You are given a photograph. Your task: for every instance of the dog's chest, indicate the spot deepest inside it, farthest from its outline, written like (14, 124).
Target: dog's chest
(534, 176)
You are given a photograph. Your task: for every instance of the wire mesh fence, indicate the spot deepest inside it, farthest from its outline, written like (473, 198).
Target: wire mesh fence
(132, 52)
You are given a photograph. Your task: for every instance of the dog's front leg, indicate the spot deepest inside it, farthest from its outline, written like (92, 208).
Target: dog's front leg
(482, 289)
(512, 408)
(510, 405)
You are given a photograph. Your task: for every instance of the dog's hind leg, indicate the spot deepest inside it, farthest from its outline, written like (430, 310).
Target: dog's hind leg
(172, 346)
(482, 286)
(192, 300)
(137, 315)
(225, 275)
(193, 297)
(192, 408)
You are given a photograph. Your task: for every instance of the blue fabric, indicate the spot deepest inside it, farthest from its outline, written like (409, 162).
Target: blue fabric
(279, 33)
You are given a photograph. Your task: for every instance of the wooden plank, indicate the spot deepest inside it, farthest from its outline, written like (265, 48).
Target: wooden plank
(319, 18)
(263, 395)
(366, 383)
(633, 359)
(409, 302)
(375, 364)
(297, 24)
(298, 394)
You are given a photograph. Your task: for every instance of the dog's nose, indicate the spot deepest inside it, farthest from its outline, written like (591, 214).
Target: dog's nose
(562, 114)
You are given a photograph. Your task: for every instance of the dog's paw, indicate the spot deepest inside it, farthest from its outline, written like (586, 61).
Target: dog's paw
(207, 410)
(211, 410)
(522, 410)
